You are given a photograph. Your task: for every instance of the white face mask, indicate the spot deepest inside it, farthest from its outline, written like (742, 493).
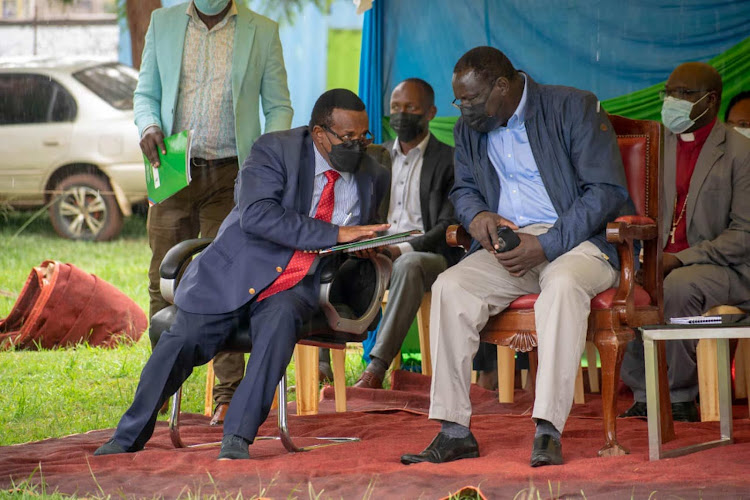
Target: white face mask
(744, 131)
(675, 113)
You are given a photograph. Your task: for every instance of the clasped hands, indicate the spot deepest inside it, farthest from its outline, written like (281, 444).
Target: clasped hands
(517, 262)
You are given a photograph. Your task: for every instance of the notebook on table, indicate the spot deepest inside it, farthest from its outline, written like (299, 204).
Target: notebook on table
(723, 319)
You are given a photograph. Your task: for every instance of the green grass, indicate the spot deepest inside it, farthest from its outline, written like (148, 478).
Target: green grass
(53, 393)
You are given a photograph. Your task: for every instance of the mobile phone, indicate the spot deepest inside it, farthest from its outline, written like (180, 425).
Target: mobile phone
(507, 239)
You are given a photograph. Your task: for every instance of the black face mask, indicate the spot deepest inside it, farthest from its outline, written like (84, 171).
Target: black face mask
(346, 157)
(408, 126)
(477, 118)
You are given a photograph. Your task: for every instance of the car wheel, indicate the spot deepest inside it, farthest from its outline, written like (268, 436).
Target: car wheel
(86, 209)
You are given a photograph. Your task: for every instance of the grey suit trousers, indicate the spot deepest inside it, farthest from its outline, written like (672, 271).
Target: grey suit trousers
(467, 294)
(413, 275)
(688, 291)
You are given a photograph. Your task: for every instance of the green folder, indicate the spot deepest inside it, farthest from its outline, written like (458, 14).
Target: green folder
(173, 173)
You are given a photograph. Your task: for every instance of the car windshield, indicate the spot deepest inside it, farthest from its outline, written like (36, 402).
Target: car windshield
(112, 82)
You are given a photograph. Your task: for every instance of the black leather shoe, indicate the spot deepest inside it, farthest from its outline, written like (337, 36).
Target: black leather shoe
(681, 412)
(445, 449)
(110, 448)
(685, 412)
(547, 450)
(234, 448)
(637, 410)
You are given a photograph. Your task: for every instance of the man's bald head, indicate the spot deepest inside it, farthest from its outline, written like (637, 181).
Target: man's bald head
(699, 75)
(700, 84)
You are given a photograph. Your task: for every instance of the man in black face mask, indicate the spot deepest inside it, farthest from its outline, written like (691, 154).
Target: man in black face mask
(543, 161)
(421, 178)
(296, 191)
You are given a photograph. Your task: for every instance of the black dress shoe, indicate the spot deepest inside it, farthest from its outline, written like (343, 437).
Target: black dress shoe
(445, 449)
(547, 450)
(110, 448)
(637, 410)
(685, 412)
(681, 412)
(234, 448)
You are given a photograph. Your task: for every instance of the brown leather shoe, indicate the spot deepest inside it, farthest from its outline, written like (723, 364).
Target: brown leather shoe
(219, 413)
(369, 380)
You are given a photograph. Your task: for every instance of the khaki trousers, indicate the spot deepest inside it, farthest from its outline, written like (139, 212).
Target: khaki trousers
(199, 209)
(467, 294)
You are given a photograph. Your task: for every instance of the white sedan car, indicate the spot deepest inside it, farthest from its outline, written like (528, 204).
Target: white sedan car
(67, 141)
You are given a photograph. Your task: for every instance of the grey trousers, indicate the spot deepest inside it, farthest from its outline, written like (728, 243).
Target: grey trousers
(413, 275)
(467, 294)
(688, 291)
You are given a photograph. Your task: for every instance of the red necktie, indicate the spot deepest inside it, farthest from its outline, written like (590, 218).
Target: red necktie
(301, 261)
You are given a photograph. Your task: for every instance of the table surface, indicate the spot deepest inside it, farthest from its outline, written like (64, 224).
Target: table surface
(703, 331)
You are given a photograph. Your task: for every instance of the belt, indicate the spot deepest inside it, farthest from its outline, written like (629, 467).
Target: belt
(219, 162)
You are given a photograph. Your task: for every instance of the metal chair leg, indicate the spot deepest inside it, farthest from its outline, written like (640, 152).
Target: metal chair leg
(174, 420)
(286, 439)
(174, 424)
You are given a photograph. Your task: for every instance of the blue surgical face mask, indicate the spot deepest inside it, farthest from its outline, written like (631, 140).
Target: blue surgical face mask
(744, 131)
(210, 7)
(675, 113)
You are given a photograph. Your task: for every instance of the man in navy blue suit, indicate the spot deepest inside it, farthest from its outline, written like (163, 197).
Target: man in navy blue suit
(295, 192)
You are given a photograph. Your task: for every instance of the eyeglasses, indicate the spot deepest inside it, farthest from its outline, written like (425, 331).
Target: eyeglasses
(467, 103)
(678, 93)
(461, 104)
(365, 139)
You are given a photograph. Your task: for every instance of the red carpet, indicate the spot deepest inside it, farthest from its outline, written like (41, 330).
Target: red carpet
(391, 423)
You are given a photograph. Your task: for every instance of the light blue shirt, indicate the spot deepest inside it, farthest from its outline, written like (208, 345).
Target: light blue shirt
(345, 194)
(523, 197)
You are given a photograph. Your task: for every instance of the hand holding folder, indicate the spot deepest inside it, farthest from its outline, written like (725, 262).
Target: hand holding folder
(173, 173)
(378, 241)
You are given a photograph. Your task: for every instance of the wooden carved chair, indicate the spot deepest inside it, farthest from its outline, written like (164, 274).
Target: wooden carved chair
(617, 312)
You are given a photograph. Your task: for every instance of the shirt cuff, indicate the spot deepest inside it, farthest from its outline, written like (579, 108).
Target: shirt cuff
(149, 127)
(405, 247)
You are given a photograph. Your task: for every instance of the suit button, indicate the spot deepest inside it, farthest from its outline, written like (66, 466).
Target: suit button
(252, 291)
(278, 269)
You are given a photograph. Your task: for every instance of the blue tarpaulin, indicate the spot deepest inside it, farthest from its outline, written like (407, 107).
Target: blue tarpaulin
(610, 47)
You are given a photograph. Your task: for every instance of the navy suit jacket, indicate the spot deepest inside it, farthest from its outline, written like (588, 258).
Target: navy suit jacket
(269, 221)
(576, 151)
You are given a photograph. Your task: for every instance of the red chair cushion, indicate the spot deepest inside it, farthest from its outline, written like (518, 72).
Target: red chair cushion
(601, 301)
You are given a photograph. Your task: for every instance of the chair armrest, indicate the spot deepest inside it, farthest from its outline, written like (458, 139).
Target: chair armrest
(174, 261)
(457, 236)
(631, 227)
(383, 268)
(624, 231)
